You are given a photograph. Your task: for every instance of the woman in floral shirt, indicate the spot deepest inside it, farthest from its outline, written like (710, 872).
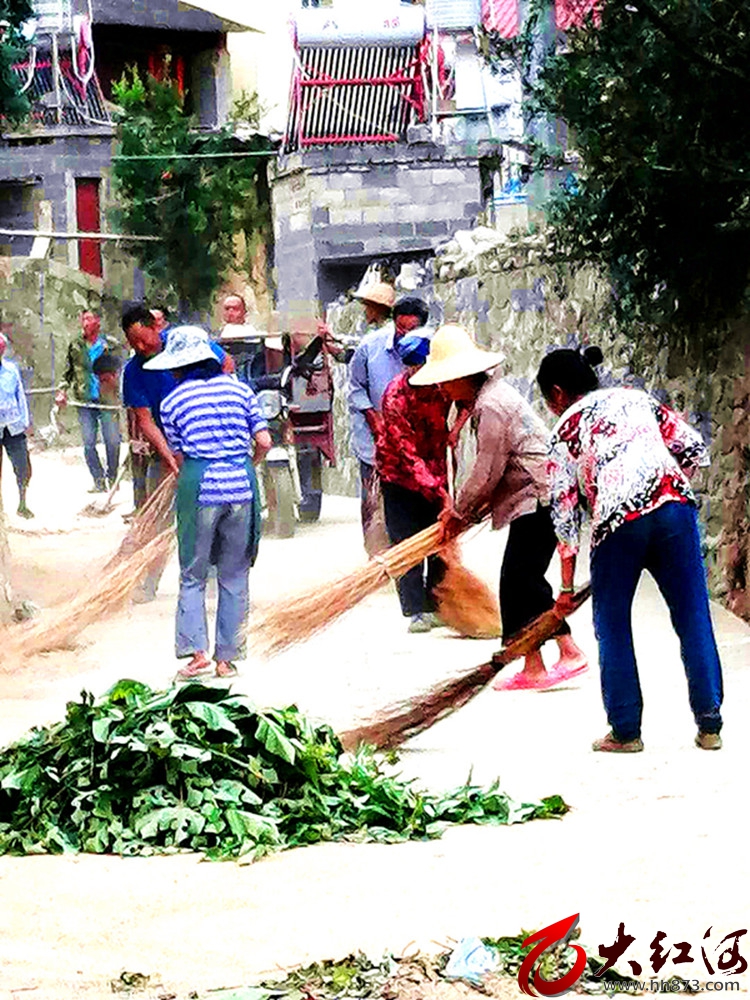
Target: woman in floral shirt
(625, 459)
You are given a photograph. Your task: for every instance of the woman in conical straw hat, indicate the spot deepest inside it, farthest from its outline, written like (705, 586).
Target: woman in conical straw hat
(508, 478)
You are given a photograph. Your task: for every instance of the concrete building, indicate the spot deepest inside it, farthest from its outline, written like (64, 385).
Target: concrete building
(398, 135)
(54, 170)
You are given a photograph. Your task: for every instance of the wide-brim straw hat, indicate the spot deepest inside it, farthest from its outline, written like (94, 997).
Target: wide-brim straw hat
(186, 345)
(379, 294)
(453, 354)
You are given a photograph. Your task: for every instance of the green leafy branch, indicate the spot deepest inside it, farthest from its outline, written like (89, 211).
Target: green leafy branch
(199, 768)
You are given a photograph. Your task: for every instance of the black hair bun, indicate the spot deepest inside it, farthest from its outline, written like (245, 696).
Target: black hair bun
(594, 356)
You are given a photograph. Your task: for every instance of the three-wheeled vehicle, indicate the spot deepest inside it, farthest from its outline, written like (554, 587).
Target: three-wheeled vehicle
(291, 377)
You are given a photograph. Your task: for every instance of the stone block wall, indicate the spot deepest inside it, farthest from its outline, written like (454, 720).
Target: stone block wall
(512, 301)
(40, 307)
(360, 203)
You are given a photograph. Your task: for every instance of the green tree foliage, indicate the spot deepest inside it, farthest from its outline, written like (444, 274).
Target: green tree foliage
(13, 106)
(656, 96)
(196, 205)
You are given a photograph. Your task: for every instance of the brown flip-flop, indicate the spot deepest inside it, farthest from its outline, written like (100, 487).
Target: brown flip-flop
(225, 669)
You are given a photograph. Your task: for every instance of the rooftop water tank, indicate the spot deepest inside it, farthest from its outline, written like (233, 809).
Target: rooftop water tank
(389, 24)
(454, 15)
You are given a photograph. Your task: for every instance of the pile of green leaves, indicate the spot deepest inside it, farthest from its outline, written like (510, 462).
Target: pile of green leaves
(200, 768)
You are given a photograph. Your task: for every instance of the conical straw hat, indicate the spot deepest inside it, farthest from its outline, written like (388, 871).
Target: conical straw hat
(453, 354)
(380, 294)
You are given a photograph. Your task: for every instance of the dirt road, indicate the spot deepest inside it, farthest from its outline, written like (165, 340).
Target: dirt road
(655, 840)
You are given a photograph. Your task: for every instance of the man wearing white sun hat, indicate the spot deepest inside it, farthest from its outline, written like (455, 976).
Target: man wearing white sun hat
(509, 477)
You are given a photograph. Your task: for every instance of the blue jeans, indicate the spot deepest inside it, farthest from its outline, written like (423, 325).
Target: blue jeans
(222, 532)
(666, 542)
(90, 419)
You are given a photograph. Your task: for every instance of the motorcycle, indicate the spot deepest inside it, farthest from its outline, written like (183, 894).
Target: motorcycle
(296, 401)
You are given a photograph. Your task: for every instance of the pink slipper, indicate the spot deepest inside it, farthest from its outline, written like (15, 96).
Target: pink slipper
(560, 676)
(521, 682)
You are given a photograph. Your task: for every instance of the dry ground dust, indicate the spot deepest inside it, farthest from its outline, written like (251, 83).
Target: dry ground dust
(658, 839)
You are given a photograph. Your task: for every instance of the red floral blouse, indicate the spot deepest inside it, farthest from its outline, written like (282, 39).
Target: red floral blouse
(411, 448)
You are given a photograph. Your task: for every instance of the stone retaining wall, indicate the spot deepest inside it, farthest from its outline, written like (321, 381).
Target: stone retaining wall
(512, 300)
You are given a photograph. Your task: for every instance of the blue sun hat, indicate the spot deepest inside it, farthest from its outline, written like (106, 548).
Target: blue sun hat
(413, 348)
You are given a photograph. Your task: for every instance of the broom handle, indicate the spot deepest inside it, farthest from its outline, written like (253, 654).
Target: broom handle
(116, 483)
(536, 632)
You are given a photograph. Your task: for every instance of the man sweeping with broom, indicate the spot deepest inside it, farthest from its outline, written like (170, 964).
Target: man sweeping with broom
(211, 421)
(509, 477)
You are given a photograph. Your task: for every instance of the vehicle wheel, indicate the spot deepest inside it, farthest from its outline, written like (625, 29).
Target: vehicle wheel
(312, 490)
(282, 515)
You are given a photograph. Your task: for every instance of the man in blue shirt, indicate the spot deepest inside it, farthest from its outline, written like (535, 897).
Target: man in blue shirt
(80, 381)
(14, 423)
(143, 391)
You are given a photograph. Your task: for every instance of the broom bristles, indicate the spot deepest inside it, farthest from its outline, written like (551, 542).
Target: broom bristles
(145, 545)
(104, 595)
(153, 517)
(465, 603)
(394, 725)
(294, 619)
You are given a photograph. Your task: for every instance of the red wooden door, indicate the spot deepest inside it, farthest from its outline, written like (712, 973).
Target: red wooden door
(88, 217)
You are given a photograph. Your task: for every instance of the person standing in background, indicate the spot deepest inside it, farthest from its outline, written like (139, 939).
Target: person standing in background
(376, 362)
(14, 425)
(82, 384)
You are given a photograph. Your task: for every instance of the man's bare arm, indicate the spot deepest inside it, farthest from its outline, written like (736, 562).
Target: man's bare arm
(146, 425)
(261, 447)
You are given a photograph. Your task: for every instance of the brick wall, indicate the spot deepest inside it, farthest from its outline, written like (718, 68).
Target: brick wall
(361, 203)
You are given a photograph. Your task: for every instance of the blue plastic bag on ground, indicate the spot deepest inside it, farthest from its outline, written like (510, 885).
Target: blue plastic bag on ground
(471, 960)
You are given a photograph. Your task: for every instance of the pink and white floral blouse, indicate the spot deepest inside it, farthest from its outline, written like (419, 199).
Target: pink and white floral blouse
(618, 454)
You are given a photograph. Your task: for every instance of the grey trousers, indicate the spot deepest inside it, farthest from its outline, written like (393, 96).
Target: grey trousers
(17, 447)
(222, 531)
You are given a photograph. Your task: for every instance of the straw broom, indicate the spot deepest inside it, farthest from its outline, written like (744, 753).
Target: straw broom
(105, 594)
(146, 544)
(297, 618)
(96, 509)
(153, 517)
(464, 602)
(393, 726)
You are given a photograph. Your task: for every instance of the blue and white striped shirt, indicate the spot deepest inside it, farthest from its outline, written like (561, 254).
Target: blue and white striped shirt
(215, 419)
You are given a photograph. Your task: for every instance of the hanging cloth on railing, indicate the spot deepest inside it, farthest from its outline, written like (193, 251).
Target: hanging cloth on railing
(573, 13)
(82, 51)
(501, 17)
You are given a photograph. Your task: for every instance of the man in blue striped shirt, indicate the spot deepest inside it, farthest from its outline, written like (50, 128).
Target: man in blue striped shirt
(211, 421)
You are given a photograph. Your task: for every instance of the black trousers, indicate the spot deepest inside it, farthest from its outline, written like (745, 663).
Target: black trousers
(17, 448)
(524, 590)
(406, 513)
